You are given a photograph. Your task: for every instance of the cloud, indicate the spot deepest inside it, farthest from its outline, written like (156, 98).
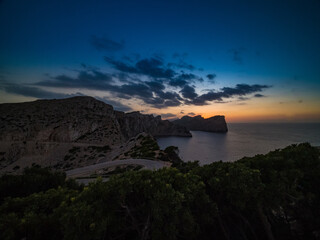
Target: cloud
(156, 85)
(153, 92)
(152, 67)
(188, 92)
(169, 95)
(120, 65)
(152, 80)
(243, 98)
(258, 95)
(183, 79)
(204, 98)
(178, 82)
(156, 68)
(34, 92)
(228, 92)
(211, 77)
(90, 79)
(191, 114)
(105, 44)
(243, 89)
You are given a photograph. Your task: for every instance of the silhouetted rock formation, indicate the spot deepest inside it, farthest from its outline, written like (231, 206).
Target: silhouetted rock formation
(198, 123)
(78, 119)
(72, 132)
(134, 123)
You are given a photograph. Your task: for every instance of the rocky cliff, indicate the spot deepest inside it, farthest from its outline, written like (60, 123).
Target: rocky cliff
(134, 123)
(198, 123)
(69, 133)
(78, 119)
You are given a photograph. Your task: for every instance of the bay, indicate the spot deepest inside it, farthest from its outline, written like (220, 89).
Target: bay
(242, 139)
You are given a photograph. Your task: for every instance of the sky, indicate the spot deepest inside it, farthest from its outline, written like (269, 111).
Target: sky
(250, 60)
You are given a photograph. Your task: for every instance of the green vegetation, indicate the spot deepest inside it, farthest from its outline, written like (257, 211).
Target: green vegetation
(171, 154)
(272, 196)
(147, 149)
(33, 180)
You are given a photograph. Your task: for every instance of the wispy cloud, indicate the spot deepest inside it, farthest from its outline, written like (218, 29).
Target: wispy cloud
(30, 91)
(211, 77)
(258, 95)
(228, 92)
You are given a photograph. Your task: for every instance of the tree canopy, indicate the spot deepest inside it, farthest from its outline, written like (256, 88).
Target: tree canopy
(272, 196)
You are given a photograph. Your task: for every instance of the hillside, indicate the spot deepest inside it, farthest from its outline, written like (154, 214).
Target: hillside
(44, 132)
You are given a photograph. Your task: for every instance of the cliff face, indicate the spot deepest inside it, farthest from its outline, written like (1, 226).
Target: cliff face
(69, 133)
(78, 119)
(134, 123)
(198, 123)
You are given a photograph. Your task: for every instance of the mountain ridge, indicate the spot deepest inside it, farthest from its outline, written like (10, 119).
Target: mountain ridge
(72, 132)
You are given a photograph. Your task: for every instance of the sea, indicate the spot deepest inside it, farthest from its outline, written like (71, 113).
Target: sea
(242, 139)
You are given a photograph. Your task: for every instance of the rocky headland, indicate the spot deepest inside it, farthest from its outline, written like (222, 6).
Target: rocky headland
(198, 123)
(73, 132)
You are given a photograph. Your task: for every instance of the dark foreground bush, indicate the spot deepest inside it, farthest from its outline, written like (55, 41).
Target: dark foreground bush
(272, 196)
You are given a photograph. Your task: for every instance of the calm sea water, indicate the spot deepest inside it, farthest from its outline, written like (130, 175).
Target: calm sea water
(243, 139)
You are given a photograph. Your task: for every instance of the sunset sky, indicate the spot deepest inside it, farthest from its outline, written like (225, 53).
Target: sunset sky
(250, 60)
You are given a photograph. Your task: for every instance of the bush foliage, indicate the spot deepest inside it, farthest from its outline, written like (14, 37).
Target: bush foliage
(272, 196)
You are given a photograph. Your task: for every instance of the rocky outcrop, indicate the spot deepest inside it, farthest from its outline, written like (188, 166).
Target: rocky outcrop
(73, 132)
(134, 123)
(198, 123)
(78, 119)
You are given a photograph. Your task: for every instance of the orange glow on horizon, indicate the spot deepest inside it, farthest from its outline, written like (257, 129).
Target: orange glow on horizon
(269, 110)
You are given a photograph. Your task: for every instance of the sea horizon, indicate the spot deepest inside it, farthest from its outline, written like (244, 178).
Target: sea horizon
(242, 140)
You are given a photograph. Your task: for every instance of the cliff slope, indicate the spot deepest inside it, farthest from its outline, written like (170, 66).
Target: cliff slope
(134, 123)
(198, 123)
(73, 132)
(78, 119)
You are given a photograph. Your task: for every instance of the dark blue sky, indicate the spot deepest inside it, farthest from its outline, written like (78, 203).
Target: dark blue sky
(166, 57)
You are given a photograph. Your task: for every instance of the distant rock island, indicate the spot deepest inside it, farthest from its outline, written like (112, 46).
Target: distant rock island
(198, 123)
